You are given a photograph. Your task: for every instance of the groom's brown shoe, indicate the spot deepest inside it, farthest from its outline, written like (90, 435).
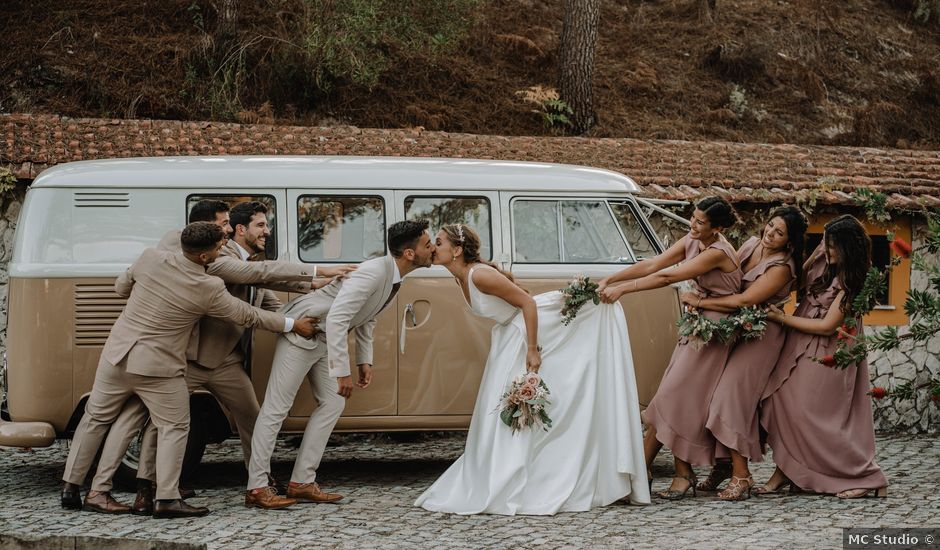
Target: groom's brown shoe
(267, 498)
(102, 502)
(310, 492)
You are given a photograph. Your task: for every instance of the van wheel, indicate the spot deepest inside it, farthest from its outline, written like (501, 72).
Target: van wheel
(126, 475)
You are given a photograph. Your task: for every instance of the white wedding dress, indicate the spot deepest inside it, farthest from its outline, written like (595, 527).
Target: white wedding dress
(591, 456)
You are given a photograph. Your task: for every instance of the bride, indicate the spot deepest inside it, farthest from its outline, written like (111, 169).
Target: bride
(593, 453)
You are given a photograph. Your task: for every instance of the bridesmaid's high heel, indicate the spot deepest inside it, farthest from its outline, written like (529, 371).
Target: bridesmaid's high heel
(881, 492)
(678, 495)
(720, 472)
(738, 489)
(778, 490)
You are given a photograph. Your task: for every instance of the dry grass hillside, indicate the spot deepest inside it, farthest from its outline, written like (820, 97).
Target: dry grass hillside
(859, 72)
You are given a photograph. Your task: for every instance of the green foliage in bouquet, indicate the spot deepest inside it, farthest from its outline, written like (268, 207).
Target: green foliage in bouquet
(747, 323)
(701, 330)
(750, 322)
(579, 291)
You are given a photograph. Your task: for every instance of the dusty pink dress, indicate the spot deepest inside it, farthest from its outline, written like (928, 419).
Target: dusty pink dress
(732, 415)
(818, 419)
(679, 409)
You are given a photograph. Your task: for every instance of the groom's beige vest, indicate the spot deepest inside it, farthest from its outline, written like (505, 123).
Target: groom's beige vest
(345, 306)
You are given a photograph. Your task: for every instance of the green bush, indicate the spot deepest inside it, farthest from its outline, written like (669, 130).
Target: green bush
(355, 40)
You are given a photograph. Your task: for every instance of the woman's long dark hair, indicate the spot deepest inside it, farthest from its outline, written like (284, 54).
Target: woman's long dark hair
(796, 234)
(853, 245)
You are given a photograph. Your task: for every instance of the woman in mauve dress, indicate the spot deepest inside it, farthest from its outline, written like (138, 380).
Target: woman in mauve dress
(771, 264)
(818, 418)
(677, 413)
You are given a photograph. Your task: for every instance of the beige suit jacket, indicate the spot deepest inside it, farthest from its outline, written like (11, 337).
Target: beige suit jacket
(345, 306)
(214, 339)
(167, 295)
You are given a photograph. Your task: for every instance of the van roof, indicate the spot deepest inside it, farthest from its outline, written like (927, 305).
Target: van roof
(225, 172)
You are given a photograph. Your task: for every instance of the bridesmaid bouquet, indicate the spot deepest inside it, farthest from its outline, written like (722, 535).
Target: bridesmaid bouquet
(523, 404)
(579, 291)
(701, 330)
(750, 322)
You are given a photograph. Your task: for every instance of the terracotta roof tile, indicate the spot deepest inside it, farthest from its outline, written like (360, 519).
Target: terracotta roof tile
(752, 172)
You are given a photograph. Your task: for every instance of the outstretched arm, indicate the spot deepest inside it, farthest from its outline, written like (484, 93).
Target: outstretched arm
(673, 255)
(237, 271)
(768, 284)
(699, 265)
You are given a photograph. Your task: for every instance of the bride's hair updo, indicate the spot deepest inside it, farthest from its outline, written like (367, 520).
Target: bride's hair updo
(466, 237)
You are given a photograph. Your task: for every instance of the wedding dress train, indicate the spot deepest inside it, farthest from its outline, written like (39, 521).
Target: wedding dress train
(593, 453)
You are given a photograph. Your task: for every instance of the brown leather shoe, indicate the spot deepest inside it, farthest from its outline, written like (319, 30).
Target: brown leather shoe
(143, 504)
(177, 508)
(104, 503)
(267, 499)
(187, 492)
(310, 492)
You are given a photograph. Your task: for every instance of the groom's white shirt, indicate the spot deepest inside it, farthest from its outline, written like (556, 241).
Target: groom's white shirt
(344, 306)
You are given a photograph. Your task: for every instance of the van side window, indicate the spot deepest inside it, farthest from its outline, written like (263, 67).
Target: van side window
(640, 242)
(270, 246)
(440, 211)
(342, 228)
(567, 231)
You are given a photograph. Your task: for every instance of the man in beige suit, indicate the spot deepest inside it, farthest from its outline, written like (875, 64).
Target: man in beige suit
(219, 350)
(145, 355)
(345, 306)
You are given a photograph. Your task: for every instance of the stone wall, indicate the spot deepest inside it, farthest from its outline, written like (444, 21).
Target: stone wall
(911, 363)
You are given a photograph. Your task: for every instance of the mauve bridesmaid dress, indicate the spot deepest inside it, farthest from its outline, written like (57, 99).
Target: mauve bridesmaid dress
(819, 419)
(679, 409)
(732, 415)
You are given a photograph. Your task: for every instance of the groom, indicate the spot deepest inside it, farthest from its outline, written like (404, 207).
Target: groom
(347, 306)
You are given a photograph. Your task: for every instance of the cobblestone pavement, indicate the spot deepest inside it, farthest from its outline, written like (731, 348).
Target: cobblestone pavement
(381, 476)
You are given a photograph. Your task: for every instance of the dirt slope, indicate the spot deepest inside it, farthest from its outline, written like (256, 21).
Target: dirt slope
(859, 72)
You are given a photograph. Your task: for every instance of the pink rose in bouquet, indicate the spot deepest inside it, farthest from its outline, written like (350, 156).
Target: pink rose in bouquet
(523, 404)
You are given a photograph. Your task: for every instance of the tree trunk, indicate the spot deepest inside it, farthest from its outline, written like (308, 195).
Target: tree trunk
(708, 10)
(576, 60)
(228, 12)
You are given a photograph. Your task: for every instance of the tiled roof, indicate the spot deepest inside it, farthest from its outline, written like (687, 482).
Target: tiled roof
(759, 173)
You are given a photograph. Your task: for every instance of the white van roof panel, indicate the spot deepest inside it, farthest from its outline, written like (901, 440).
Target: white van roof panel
(225, 172)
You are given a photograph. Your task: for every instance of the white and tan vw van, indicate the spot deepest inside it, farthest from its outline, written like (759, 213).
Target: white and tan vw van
(83, 223)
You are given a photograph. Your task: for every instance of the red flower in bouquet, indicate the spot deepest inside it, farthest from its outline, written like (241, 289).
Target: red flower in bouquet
(846, 332)
(828, 360)
(901, 247)
(878, 393)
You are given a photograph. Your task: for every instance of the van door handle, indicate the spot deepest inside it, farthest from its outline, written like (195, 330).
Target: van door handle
(409, 312)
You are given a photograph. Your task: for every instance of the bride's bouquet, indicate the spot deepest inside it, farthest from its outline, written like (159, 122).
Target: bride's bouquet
(523, 403)
(579, 291)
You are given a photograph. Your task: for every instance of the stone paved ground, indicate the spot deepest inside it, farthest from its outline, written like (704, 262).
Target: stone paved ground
(382, 476)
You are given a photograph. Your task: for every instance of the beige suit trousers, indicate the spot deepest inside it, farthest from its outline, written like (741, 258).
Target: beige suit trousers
(168, 402)
(290, 366)
(228, 382)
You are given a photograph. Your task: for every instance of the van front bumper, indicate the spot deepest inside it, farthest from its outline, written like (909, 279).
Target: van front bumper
(26, 434)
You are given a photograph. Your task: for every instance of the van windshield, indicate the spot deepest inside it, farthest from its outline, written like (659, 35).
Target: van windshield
(570, 231)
